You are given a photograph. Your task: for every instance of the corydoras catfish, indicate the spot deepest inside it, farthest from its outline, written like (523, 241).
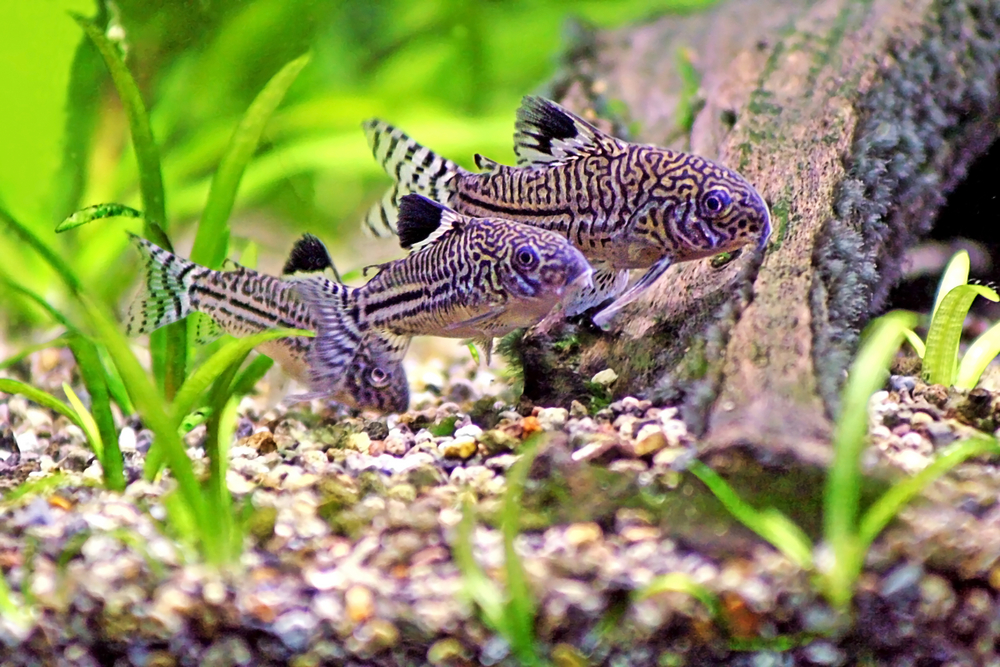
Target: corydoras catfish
(242, 302)
(624, 205)
(464, 278)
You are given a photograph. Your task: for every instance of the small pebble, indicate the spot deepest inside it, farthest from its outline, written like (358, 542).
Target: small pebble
(605, 378)
(459, 448)
(359, 604)
(552, 419)
(583, 533)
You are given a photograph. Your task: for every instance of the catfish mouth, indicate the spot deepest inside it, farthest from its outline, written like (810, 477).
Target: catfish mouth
(580, 277)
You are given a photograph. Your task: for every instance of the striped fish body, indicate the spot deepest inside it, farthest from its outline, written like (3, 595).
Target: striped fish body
(624, 205)
(466, 277)
(627, 206)
(244, 302)
(484, 277)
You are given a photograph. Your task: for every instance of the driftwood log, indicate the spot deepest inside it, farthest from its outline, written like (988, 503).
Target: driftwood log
(854, 120)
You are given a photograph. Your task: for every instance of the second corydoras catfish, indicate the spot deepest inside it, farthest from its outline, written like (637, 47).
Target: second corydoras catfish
(624, 205)
(465, 277)
(244, 302)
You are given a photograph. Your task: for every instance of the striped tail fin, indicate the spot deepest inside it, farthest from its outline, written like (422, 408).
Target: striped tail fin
(166, 292)
(414, 168)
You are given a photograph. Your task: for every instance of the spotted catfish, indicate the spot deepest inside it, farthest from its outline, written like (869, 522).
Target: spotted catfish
(464, 278)
(244, 302)
(624, 205)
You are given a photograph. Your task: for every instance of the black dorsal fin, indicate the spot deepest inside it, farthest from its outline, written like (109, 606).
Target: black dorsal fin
(486, 164)
(545, 133)
(309, 256)
(423, 221)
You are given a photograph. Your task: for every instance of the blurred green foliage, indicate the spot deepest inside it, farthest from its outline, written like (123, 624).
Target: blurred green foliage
(451, 73)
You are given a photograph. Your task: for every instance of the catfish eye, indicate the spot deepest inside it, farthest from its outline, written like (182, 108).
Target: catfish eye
(378, 377)
(526, 257)
(716, 201)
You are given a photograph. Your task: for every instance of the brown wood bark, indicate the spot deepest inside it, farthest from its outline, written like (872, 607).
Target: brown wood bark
(854, 120)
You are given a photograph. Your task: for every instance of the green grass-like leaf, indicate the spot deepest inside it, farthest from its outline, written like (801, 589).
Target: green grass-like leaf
(50, 256)
(769, 523)
(58, 341)
(150, 406)
(914, 340)
(892, 501)
(520, 609)
(88, 424)
(212, 238)
(43, 398)
(252, 374)
(945, 333)
(510, 613)
(96, 212)
(481, 589)
(216, 365)
(168, 345)
(11, 286)
(221, 426)
(9, 609)
(199, 381)
(678, 582)
(955, 273)
(981, 352)
(147, 154)
(843, 485)
(95, 379)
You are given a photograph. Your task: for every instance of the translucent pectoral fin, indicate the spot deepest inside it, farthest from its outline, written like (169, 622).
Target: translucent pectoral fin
(478, 319)
(607, 283)
(602, 318)
(485, 345)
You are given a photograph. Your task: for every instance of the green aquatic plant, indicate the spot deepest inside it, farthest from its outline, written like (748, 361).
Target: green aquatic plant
(202, 513)
(941, 363)
(838, 560)
(510, 611)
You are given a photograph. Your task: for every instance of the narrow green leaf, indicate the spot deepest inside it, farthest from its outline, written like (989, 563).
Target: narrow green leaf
(955, 273)
(89, 425)
(679, 582)
(115, 385)
(914, 340)
(94, 377)
(772, 525)
(212, 238)
(221, 426)
(843, 484)
(520, 607)
(981, 352)
(38, 300)
(96, 212)
(59, 341)
(147, 154)
(216, 365)
(9, 609)
(39, 246)
(481, 589)
(474, 351)
(892, 501)
(252, 374)
(168, 345)
(945, 333)
(151, 409)
(44, 399)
